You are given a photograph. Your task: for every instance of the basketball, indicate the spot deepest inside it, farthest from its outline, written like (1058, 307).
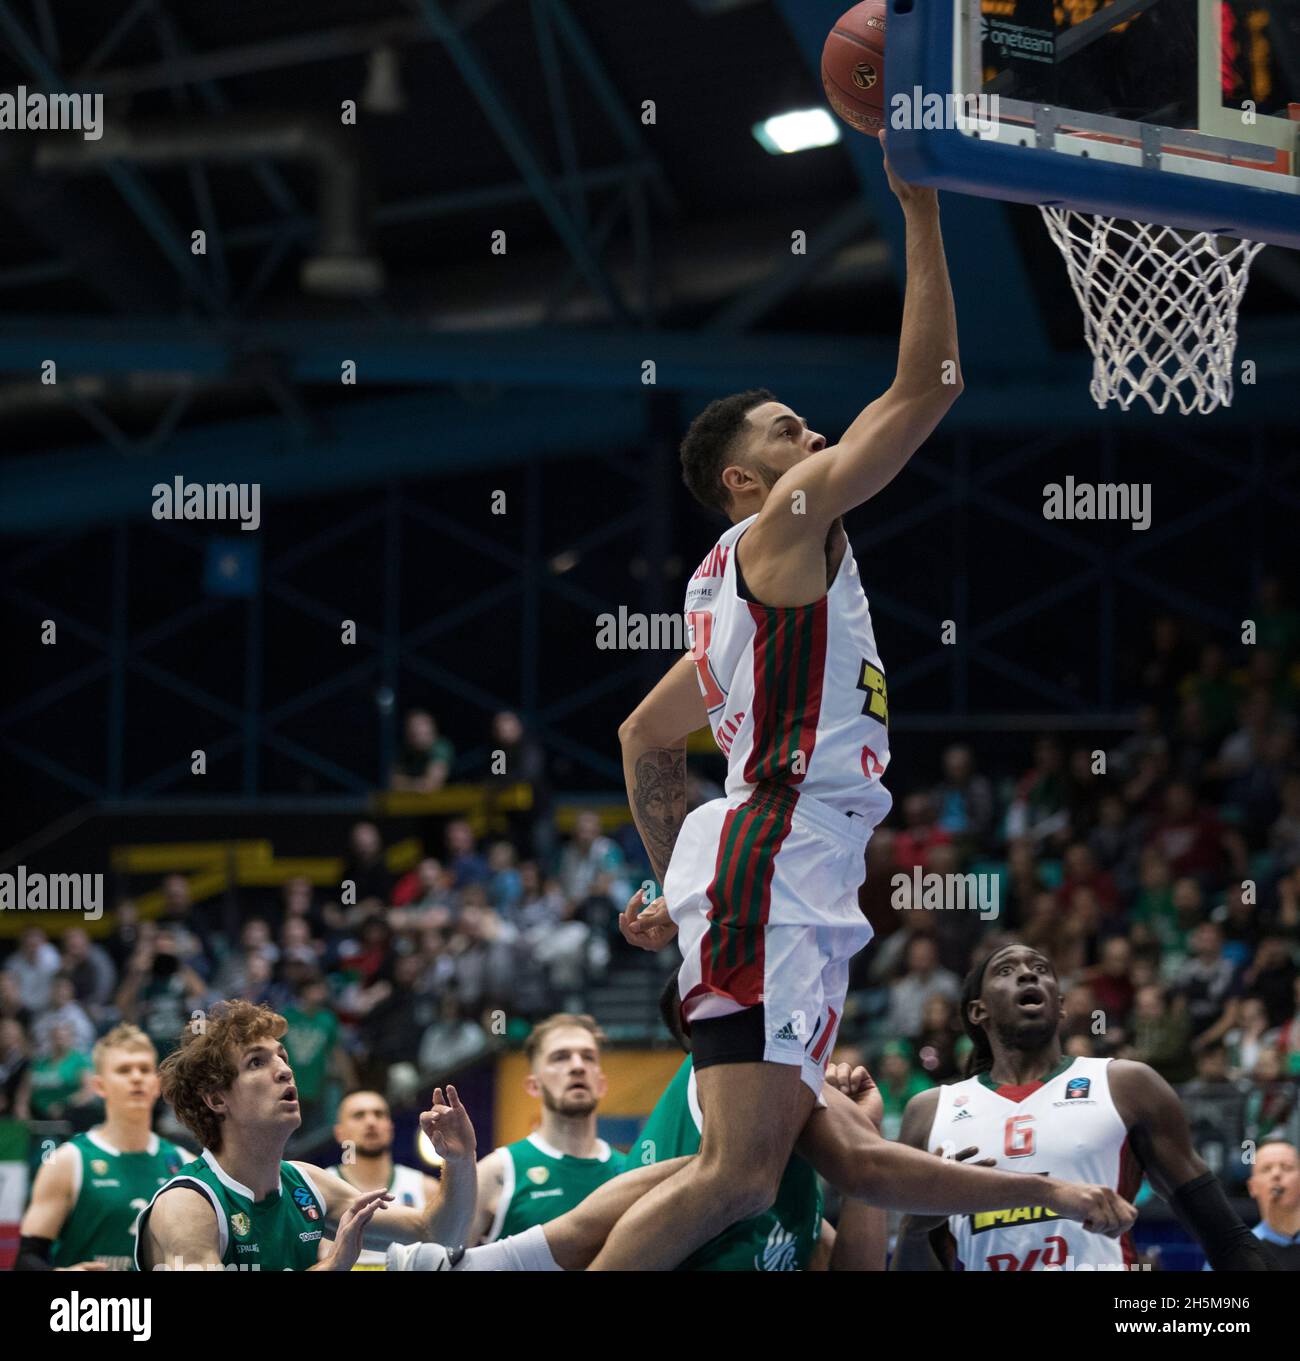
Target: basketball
(853, 67)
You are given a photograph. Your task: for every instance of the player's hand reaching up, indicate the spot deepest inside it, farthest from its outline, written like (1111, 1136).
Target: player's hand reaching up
(909, 195)
(647, 927)
(448, 1127)
(1098, 1208)
(350, 1238)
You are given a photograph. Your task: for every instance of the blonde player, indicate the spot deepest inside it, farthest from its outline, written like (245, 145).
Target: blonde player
(762, 884)
(88, 1195)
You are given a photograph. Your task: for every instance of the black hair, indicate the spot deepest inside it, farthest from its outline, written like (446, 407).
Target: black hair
(709, 440)
(670, 1012)
(980, 1058)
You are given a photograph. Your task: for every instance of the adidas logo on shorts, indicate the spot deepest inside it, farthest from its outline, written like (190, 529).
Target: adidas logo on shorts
(787, 1032)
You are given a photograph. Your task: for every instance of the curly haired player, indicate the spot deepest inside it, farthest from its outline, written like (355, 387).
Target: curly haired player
(240, 1205)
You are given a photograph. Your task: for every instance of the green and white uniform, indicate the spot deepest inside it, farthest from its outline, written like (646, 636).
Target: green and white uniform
(109, 1189)
(780, 1239)
(280, 1232)
(541, 1183)
(406, 1185)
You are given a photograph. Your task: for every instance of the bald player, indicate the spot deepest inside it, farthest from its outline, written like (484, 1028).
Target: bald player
(363, 1127)
(1274, 1186)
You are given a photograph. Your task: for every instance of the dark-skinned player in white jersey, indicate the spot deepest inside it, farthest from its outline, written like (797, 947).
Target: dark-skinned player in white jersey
(761, 885)
(1028, 1107)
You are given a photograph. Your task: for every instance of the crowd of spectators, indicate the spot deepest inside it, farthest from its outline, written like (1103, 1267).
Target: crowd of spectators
(1160, 873)
(385, 979)
(1158, 868)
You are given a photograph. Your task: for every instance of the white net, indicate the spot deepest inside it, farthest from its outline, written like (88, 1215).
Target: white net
(1159, 306)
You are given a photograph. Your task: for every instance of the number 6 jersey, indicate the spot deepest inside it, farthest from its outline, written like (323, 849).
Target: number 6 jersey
(795, 695)
(1065, 1126)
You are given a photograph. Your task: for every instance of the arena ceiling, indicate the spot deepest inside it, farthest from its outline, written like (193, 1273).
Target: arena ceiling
(372, 243)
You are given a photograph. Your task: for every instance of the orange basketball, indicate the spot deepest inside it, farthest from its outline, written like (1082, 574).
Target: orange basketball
(853, 66)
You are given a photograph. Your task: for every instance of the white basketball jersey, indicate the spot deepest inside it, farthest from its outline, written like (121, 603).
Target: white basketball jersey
(1068, 1128)
(795, 695)
(407, 1189)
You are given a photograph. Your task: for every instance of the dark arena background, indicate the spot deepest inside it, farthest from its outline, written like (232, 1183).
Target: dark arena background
(440, 286)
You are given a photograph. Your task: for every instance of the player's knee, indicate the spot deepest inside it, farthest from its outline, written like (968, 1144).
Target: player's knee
(739, 1191)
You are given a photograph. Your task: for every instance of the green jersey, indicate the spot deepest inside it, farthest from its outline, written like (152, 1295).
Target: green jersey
(310, 1040)
(280, 1232)
(109, 1190)
(541, 1183)
(780, 1239)
(55, 1082)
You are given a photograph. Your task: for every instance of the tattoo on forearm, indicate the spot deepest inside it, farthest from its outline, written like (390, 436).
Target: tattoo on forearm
(659, 802)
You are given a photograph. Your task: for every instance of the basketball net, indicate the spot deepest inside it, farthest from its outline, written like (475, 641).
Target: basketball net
(1159, 307)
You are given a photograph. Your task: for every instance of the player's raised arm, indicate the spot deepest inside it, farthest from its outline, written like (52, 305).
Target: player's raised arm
(889, 431)
(653, 738)
(1162, 1143)
(447, 1218)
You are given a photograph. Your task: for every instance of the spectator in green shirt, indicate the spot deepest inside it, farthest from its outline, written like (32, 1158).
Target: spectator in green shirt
(61, 1080)
(899, 1082)
(424, 761)
(312, 1043)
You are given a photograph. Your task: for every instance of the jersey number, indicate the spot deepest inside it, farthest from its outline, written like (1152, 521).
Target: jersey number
(700, 623)
(1018, 1140)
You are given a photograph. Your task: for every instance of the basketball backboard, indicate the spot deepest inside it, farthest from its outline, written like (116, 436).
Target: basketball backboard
(1179, 112)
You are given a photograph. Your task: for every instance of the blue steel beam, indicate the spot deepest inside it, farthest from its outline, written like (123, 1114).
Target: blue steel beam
(133, 188)
(978, 236)
(361, 444)
(409, 352)
(510, 129)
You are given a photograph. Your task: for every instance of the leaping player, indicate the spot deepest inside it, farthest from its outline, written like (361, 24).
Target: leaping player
(1036, 1110)
(761, 884)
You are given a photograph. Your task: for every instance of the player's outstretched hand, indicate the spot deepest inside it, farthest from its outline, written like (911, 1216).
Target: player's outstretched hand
(84, 1266)
(350, 1238)
(1098, 1208)
(448, 1126)
(909, 195)
(647, 927)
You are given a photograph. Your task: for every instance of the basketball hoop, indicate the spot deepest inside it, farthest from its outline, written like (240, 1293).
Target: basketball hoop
(1159, 307)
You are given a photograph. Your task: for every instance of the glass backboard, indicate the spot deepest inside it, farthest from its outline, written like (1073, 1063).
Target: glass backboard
(1180, 112)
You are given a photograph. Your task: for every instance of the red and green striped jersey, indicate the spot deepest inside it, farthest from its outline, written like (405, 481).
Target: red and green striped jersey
(796, 695)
